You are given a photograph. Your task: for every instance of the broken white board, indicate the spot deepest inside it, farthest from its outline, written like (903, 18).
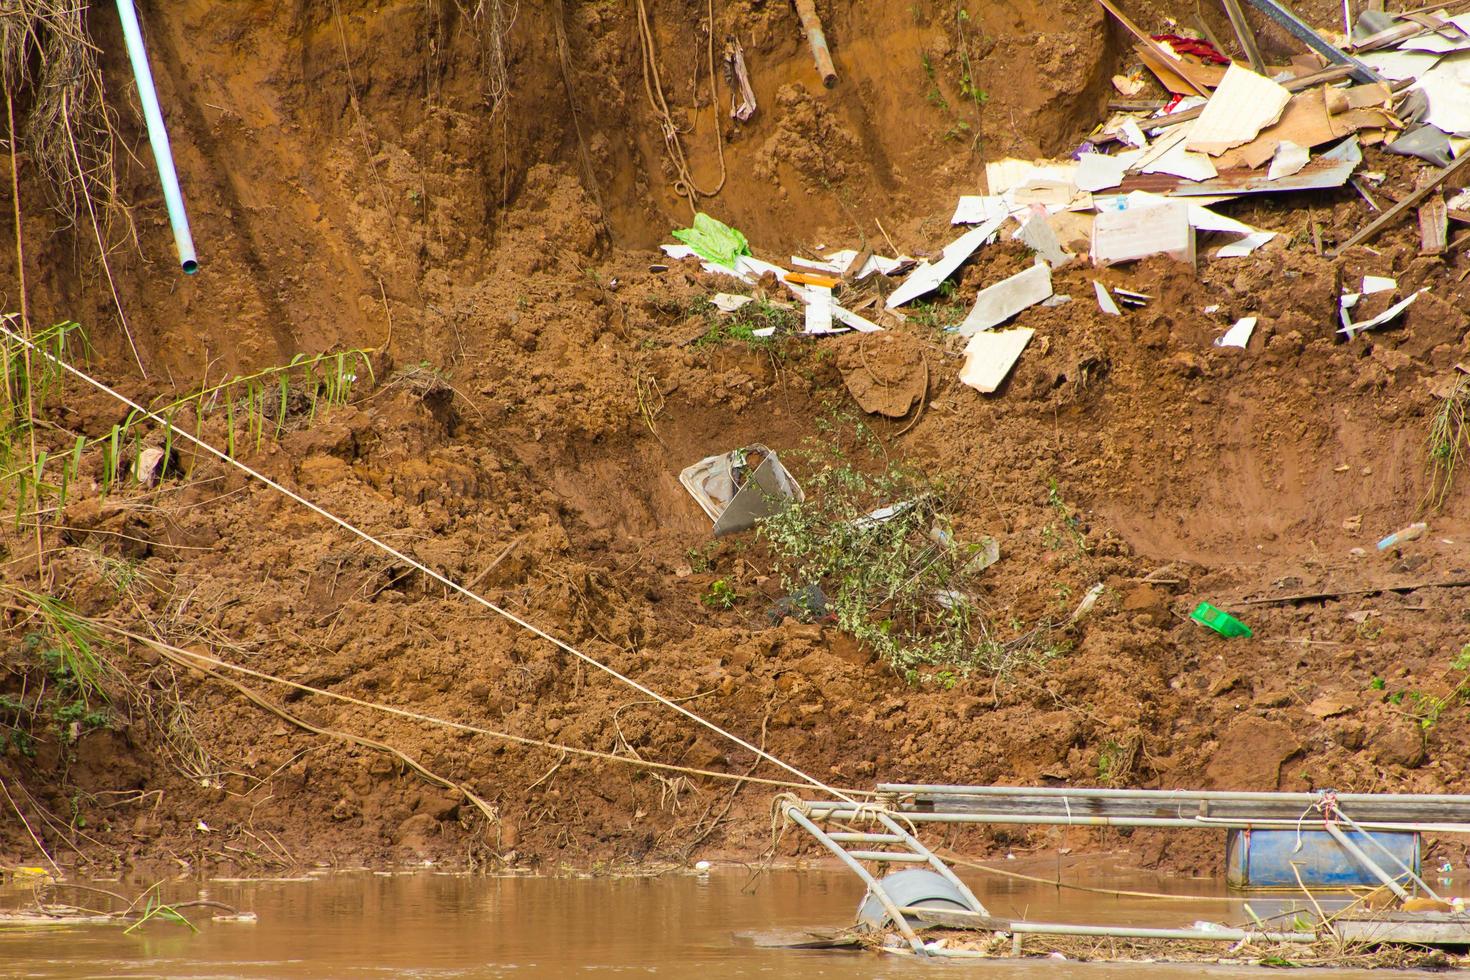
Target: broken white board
(1378, 284)
(998, 303)
(1396, 66)
(1202, 218)
(1132, 134)
(856, 322)
(927, 277)
(1180, 161)
(974, 209)
(729, 302)
(819, 309)
(1242, 105)
(1038, 234)
(1098, 171)
(1238, 335)
(1447, 87)
(1138, 232)
(1105, 300)
(1289, 159)
(1351, 329)
(828, 266)
(990, 356)
(1031, 182)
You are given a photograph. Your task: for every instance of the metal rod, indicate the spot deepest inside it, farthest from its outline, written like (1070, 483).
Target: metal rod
(1299, 29)
(1153, 794)
(1138, 932)
(806, 10)
(939, 866)
(846, 838)
(1246, 35)
(1347, 845)
(876, 890)
(1390, 855)
(843, 811)
(163, 156)
(889, 857)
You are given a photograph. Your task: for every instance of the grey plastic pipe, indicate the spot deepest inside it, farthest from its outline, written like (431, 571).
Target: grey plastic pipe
(163, 155)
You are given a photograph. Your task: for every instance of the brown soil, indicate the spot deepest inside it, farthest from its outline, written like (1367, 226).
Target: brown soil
(511, 253)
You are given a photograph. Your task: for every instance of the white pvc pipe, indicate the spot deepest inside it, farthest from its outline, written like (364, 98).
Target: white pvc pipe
(163, 156)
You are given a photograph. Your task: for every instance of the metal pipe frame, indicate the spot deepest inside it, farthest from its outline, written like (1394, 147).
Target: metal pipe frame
(874, 888)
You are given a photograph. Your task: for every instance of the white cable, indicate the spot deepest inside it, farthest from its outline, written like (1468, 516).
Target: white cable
(436, 576)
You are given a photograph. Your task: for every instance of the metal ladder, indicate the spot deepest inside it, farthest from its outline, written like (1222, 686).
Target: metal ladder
(908, 850)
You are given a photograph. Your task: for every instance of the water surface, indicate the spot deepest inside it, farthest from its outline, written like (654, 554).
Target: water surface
(678, 926)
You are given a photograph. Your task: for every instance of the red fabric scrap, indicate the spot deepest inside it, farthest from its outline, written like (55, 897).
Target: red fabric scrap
(1203, 50)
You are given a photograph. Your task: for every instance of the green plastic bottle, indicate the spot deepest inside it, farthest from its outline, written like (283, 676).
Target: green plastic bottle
(1219, 620)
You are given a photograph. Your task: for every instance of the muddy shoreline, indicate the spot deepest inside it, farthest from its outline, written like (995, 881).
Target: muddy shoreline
(537, 381)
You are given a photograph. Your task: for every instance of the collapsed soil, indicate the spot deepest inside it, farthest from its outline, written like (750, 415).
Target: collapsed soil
(537, 388)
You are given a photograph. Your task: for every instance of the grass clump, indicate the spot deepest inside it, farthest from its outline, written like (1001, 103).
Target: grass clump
(1449, 434)
(741, 326)
(881, 547)
(72, 659)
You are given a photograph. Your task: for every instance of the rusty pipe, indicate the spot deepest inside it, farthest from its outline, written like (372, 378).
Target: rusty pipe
(817, 38)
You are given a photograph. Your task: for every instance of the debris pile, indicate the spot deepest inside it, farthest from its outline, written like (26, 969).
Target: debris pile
(1145, 182)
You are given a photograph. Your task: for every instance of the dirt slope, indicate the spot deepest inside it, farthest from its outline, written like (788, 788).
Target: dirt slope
(536, 394)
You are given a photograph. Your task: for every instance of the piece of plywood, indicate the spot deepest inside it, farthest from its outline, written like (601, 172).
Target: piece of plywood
(1306, 122)
(1244, 104)
(990, 356)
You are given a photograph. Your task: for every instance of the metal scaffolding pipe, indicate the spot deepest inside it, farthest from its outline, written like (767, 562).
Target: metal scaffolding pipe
(1390, 855)
(845, 811)
(1347, 845)
(163, 156)
(1160, 794)
(1138, 932)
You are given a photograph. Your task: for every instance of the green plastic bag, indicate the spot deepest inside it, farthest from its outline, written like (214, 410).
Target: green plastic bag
(714, 240)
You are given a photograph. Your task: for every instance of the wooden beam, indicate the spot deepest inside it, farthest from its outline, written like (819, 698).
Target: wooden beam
(1246, 36)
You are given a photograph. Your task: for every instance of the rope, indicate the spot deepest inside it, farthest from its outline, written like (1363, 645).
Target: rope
(684, 184)
(196, 659)
(420, 566)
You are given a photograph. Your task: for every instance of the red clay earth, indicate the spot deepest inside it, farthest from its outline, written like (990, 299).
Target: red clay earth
(350, 186)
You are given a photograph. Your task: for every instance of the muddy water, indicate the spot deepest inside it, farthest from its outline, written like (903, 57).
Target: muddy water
(683, 926)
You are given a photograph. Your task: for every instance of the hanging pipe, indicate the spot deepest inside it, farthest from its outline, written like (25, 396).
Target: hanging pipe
(163, 156)
(806, 11)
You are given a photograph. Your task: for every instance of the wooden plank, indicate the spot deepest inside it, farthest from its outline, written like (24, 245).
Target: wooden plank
(1434, 225)
(1246, 36)
(1396, 212)
(1183, 70)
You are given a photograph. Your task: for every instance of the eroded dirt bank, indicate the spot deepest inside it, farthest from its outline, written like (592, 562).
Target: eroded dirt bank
(536, 389)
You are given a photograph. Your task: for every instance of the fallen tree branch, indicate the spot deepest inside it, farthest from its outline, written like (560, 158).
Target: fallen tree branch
(1341, 593)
